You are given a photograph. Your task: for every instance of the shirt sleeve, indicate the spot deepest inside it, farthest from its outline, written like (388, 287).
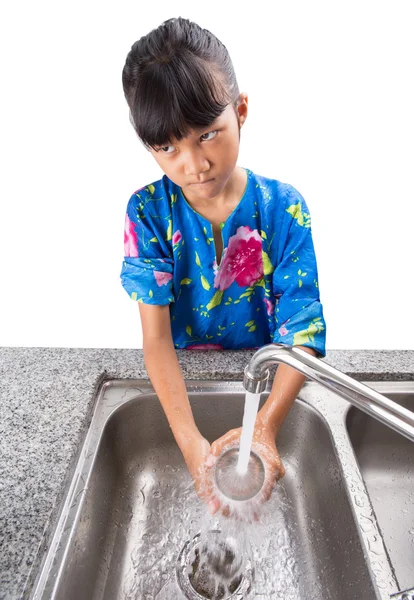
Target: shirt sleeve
(298, 312)
(147, 269)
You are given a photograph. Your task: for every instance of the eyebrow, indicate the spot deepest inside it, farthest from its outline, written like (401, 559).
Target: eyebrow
(197, 130)
(213, 124)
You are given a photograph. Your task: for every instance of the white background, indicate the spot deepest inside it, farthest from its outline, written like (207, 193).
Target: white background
(330, 111)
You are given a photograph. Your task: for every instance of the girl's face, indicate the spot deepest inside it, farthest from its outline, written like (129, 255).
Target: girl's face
(202, 163)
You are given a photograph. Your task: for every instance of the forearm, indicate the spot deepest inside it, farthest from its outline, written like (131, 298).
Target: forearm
(166, 377)
(286, 386)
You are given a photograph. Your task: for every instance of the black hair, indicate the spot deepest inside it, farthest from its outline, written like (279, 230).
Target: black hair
(178, 76)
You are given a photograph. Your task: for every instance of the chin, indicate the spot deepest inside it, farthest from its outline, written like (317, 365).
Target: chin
(208, 194)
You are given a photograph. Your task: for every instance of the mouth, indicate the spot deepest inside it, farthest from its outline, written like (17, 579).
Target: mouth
(202, 183)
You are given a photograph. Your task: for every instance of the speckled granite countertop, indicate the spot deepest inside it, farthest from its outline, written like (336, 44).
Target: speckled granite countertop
(46, 398)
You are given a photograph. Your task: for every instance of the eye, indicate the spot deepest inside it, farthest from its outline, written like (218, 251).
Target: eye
(211, 133)
(164, 149)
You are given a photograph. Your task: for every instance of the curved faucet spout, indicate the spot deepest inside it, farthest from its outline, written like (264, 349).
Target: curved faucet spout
(365, 398)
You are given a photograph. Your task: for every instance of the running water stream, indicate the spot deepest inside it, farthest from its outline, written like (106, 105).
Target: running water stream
(251, 405)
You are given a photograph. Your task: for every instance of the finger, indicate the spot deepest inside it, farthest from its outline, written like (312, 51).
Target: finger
(272, 477)
(267, 492)
(210, 460)
(203, 484)
(268, 486)
(227, 440)
(213, 505)
(279, 471)
(269, 482)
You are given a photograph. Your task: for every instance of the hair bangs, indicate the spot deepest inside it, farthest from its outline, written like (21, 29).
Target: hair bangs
(175, 96)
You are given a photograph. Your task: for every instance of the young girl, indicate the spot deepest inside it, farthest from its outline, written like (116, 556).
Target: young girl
(216, 256)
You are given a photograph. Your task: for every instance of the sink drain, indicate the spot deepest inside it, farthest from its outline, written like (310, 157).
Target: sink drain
(212, 569)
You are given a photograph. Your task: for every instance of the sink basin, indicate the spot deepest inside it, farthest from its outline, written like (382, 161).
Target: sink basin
(131, 507)
(386, 461)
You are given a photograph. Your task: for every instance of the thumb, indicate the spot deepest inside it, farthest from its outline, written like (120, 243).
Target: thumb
(225, 442)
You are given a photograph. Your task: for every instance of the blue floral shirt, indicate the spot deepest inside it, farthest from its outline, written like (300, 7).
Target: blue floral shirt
(265, 288)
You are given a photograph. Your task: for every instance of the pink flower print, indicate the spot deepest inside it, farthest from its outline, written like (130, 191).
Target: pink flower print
(242, 260)
(130, 238)
(282, 328)
(269, 306)
(177, 237)
(162, 278)
(205, 347)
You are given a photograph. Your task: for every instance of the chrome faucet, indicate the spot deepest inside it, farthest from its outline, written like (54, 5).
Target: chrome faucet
(363, 397)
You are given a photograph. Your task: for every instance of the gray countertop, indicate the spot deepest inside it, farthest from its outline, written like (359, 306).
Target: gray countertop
(46, 399)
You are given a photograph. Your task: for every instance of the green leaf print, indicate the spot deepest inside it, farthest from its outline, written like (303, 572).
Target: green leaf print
(303, 219)
(154, 239)
(267, 265)
(150, 293)
(188, 330)
(263, 234)
(151, 189)
(307, 335)
(197, 259)
(249, 324)
(216, 300)
(252, 328)
(185, 281)
(169, 231)
(205, 283)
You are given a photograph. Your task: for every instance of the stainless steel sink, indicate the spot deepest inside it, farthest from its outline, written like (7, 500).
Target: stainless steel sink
(386, 460)
(131, 508)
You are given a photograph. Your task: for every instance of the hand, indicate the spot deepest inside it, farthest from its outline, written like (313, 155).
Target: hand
(196, 452)
(264, 445)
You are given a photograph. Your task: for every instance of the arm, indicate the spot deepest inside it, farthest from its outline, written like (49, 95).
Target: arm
(166, 377)
(147, 275)
(286, 386)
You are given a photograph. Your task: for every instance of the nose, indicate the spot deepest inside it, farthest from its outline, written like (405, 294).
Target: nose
(195, 162)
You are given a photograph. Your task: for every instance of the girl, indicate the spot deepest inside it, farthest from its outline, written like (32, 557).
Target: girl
(216, 256)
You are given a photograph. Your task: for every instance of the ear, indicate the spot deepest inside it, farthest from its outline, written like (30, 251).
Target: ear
(242, 108)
